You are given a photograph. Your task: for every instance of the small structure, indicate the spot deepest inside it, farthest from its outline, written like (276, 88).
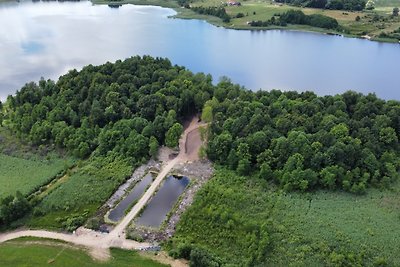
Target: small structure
(233, 3)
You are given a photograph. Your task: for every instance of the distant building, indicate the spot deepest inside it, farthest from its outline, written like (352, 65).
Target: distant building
(233, 3)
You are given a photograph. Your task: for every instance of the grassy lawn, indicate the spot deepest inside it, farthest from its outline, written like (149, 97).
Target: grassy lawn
(314, 229)
(43, 252)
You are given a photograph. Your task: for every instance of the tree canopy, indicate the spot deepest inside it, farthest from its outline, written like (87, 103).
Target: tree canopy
(126, 108)
(328, 4)
(302, 141)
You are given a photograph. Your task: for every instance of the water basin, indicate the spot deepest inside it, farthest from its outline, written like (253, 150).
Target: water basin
(137, 191)
(165, 198)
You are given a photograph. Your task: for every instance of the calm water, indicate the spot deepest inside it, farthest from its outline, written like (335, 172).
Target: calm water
(47, 39)
(159, 206)
(119, 211)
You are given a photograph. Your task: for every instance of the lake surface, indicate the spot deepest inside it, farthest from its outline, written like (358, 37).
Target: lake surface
(137, 191)
(45, 39)
(163, 201)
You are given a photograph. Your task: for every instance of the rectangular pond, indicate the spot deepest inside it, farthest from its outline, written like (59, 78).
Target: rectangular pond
(165, 198)
(137, 191)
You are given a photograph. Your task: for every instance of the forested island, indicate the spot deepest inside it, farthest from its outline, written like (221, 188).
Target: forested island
(297, 174)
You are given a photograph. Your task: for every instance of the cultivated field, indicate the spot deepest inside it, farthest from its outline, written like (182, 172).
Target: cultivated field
(27, 175)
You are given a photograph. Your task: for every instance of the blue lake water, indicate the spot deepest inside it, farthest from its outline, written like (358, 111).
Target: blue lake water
(163, 201)
(46, 39)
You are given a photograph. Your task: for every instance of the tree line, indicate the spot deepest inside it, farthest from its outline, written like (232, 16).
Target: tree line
(298, 17)
(301, 141)
(219, 12)
(352, 5)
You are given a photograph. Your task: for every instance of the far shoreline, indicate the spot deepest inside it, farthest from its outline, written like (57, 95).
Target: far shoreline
(184, 13)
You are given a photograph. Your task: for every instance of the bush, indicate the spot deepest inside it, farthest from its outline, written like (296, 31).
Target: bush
(13, 208)
(201, 258)
(93, 223)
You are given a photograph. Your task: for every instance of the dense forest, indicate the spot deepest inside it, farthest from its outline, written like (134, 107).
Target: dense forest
(120, 108)
(356, 5)
(302, 141)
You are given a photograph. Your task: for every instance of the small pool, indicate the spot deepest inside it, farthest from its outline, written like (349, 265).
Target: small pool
(159, 206)
(137, 191)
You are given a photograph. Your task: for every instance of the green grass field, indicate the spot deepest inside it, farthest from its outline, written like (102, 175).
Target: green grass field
(26, 175)
(26, 168)
(42, 252)
(315, 229)
(387, 3)
(327, 224)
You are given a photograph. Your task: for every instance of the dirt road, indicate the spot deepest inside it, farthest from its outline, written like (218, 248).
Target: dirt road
(99, 243)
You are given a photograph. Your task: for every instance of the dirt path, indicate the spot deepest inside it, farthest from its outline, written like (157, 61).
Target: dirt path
(98, 243)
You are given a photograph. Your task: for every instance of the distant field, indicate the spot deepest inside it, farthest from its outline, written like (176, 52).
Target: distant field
(25, 252)
(26, 175)
(387, 3)
(314, 229)
(254, 10)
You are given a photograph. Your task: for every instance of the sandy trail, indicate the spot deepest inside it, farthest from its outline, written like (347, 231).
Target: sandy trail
(98, 243)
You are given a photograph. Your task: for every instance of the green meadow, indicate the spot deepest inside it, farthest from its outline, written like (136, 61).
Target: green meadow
(239, 216)
(43, 252)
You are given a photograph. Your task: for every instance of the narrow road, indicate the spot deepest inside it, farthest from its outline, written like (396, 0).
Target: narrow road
(99, 243)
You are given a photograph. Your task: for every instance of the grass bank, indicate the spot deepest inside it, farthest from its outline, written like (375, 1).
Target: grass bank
(247, 221)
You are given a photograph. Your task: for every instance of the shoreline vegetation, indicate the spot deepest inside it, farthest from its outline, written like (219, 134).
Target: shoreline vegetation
(378, 24)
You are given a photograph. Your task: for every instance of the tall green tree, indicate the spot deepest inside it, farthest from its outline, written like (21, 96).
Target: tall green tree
(173, 135)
